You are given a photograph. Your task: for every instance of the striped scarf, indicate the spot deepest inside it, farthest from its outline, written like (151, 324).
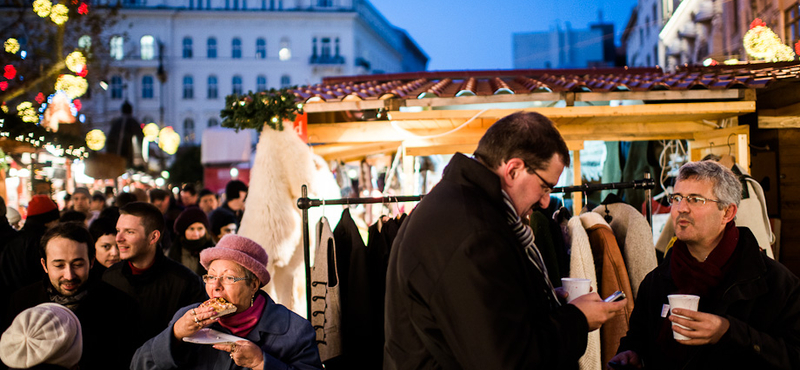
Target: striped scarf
(525, 236)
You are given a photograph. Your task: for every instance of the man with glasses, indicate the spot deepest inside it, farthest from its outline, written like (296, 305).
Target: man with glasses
(749, 312)
(160, 285)
(466, 286)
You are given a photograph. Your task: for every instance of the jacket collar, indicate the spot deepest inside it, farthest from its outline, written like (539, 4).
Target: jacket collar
(274, 320)
(465, 170)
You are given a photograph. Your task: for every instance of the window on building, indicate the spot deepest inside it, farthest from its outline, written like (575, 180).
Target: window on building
(647, 25)
(213, 122)
(237, 85)
(147, 87)
(325, 3)
(236, 48)
(261, 48)
(314, 47)
(212, 87)
(211, 48)
(649, 61)
(655, 12)
(325, 52)
(285, 52)
(188, 130)
(147, 47)
(286, 81)
(187, 47)
(188, 87)
(116, 48)
(261, 83)
(116, 87)
(793, 24)
(337, 46)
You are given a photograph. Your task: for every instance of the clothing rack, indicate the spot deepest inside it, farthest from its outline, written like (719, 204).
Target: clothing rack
(305, 203)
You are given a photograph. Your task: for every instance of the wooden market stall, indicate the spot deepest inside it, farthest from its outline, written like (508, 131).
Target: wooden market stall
(715, 108)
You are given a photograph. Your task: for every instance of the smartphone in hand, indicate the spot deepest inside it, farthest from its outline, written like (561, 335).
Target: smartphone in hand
(617, 296)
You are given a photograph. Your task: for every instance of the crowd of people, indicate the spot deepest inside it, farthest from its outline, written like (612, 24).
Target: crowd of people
(124, 282)
(466, 287)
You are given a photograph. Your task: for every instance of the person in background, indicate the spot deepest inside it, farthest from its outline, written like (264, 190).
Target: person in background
(13, 217)
(191, 229)
(97, 205)
(72, 216)
(81, 199)
(67, 256)
(67, 202)
(466, 286)
(274, 337)
(188, 195)
(123, 199)
(7, 231)
(48, 336)
(20, 261)
(235, 194)
(207, 201)
(222, 223)
(104, 233)
(109, 194)
(159, 284)
(164, 201)
(749, 312)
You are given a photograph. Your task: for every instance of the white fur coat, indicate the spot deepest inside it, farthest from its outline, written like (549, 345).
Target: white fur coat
(283, 163)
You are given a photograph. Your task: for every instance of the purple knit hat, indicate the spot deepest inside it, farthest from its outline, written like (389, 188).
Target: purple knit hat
(241, 250)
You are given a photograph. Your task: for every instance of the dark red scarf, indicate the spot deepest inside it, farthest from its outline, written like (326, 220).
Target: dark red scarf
(695, 277)
(242, 323)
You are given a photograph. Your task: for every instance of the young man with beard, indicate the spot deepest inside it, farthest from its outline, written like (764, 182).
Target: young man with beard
(749, 312)
(160, 285)
(67, 255)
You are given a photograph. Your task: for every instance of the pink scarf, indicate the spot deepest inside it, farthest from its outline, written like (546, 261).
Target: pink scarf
(242, 323)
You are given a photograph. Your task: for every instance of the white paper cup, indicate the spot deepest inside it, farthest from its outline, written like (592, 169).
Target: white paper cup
(687, 301)
(576, 287)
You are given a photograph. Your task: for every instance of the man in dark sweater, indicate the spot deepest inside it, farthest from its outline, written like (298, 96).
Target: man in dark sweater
(67, 255)
(160, 286)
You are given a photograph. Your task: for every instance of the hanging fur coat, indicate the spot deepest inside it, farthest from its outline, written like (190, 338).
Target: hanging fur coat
(283, 163)
(581, 265)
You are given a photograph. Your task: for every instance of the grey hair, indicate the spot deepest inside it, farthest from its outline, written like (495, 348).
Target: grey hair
(726, 185)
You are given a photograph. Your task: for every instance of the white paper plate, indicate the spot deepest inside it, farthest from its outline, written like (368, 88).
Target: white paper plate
(211, 336)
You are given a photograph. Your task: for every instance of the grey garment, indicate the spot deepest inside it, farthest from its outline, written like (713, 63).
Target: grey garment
(326, 314)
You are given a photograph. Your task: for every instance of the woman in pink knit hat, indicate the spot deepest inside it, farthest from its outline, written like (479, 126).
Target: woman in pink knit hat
(272, 337)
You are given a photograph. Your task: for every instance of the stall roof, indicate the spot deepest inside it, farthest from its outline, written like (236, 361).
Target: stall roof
(440, 112)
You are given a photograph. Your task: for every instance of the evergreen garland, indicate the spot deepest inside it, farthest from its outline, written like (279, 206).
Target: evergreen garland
(254, 110)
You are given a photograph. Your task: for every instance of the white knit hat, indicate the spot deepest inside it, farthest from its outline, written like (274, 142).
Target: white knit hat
(46, 334)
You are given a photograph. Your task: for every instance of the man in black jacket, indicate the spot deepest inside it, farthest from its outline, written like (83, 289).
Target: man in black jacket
(159, 285)
(749, 313)
(466, 287)
(19, 262)
(67, 255)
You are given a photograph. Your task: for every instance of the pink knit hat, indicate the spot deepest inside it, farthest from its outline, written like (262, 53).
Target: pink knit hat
(241, 250)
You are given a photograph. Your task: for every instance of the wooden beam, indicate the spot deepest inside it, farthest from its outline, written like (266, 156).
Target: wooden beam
(773, 122)
(492, 99)
(351, 151)
(726, 94)
(318, 107)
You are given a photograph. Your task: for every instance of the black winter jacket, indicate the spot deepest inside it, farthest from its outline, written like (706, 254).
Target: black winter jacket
(461, 293)
(760, 298)
(160, 291)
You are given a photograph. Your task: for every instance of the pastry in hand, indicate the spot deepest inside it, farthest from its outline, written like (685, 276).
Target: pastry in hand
(220, 305)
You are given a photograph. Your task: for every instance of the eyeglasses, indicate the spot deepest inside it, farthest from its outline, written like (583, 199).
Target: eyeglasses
(547, 188)
(226, 280)
(692, 200)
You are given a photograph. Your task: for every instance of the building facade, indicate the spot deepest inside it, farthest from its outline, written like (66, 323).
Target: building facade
(565, 48)
(175, 61)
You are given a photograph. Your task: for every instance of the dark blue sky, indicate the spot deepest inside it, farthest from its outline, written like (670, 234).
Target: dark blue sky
(476, 34)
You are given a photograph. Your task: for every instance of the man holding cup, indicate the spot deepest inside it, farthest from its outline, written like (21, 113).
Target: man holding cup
(466, 287)
(748, 313)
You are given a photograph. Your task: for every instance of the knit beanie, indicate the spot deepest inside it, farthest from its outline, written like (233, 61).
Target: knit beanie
(233, 188)
(221, 217)
(42, 209)
(188, 217)
(241, 250)
(46, 334)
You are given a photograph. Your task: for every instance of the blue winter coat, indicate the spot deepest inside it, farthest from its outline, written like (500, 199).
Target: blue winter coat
(286, 339)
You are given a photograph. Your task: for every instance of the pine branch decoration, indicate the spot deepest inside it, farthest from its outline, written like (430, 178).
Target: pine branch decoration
(254, 110)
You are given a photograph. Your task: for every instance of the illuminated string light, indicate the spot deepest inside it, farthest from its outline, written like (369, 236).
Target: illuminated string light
(26, 111)
(150, 131)
(83, 9)
(74, 86)
(76, 62)
(59, 14)
(11, 45)
(169, 140)
(42, 7)
(95, 140)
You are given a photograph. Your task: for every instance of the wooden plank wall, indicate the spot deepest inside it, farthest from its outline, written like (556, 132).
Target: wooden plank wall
(789, 174)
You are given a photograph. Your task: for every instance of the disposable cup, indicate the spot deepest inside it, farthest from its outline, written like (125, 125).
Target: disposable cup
(687, 301)
(575, 287)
